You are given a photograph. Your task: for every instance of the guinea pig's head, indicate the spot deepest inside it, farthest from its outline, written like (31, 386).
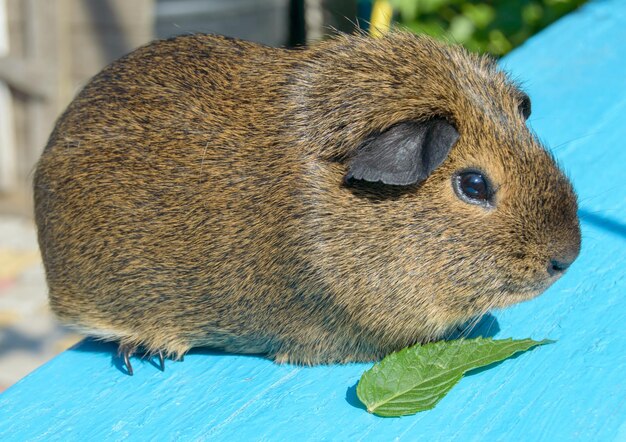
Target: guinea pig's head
(453, 207)
(496, 210)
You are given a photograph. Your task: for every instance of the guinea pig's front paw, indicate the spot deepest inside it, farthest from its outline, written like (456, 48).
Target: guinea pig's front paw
(126, 351)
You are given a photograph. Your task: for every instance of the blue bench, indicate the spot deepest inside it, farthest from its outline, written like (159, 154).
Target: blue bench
(575, 72)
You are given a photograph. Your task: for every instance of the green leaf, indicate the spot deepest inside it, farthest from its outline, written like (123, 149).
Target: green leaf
(433, 29)
(416, 378)
(481, 15)
(461, 28)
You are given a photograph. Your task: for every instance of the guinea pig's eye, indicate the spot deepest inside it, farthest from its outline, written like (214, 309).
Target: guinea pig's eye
(473, 187)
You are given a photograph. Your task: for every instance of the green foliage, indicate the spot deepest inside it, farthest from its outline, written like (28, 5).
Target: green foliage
(416, 378)
(495, 26)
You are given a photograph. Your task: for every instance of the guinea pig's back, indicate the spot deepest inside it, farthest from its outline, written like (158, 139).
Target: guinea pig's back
(149, 194)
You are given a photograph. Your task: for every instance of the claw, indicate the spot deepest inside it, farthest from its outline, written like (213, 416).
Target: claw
(161, 360)
(125, 351)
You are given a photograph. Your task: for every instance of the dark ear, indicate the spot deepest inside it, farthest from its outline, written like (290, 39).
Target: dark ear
(524, 106)
(404, 154)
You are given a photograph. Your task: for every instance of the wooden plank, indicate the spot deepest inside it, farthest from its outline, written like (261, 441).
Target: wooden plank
(103, 31)
(123, 15)
(572, 390)
(264, 22)
(56, 46)
(7, 126)
(15, 197)
(41, 45)
(27, 77)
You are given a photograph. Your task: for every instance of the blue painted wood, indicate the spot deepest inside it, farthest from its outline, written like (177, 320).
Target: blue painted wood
(572, 390)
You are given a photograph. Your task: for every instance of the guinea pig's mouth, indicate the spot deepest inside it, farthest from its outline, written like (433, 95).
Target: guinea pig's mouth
(483, 298)
(514, 293)
(486, 299)
(514, 297)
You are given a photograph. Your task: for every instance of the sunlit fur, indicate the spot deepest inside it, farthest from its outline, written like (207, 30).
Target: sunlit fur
(193, 195)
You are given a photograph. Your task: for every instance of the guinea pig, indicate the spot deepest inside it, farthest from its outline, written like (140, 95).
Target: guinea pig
(326, 204)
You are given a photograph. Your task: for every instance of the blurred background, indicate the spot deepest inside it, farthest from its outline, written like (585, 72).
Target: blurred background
(50, 48)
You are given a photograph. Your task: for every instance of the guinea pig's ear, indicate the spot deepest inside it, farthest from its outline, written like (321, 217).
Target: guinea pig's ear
(524, 106)
(404, 154)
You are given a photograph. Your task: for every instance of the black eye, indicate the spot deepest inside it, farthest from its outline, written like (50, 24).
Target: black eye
(473, 187)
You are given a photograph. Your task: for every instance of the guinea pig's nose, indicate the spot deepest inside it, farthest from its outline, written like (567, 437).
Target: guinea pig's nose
(558, 266)
(564, 253)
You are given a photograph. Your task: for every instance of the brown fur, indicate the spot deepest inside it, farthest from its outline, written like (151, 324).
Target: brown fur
(193, 195)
